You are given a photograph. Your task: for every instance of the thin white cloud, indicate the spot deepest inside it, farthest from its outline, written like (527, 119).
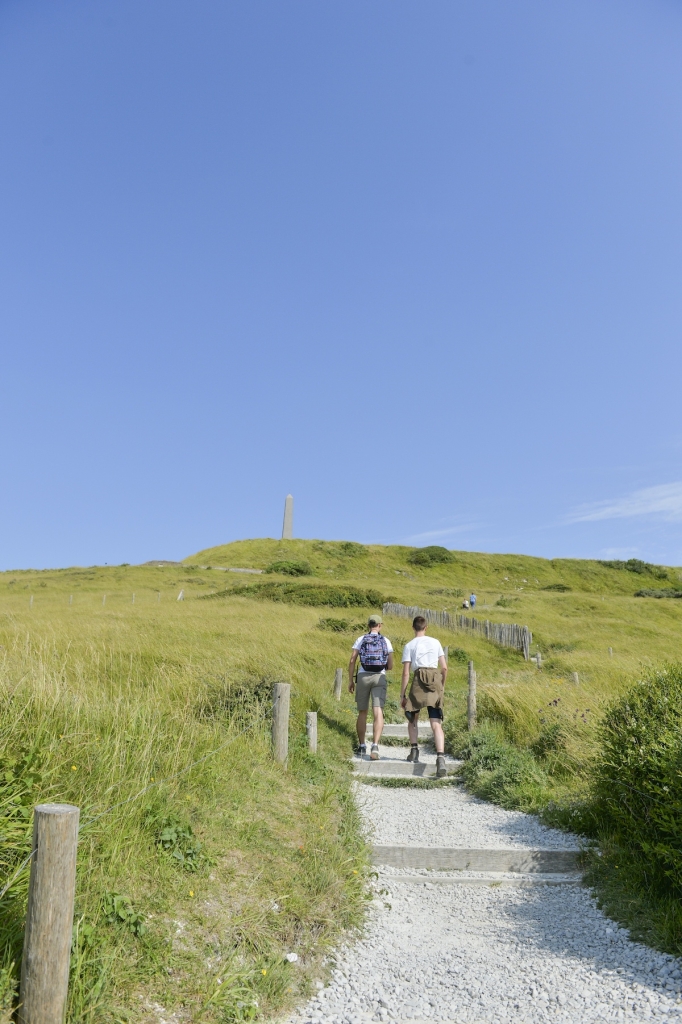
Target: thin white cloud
(450, 531)
(664, 501)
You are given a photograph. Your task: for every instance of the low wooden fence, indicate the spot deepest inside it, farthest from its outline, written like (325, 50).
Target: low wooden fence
(505, 634)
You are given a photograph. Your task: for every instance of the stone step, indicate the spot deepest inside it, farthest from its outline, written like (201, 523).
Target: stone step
(449, 858)
(399, 769)
(490, 878)
(399, 730)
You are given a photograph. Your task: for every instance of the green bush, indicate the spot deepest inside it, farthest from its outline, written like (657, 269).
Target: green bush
(458, 654)
(639, 777)
(494, 769)
(433, 555)
(286, 568)
(561, 588)
(669, 592)
(314, 594)
(342, 626)
(636, 565)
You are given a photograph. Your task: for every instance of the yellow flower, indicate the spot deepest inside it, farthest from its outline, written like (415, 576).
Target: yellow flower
(73, 768)
(152, 778)
(191, 892)
(263, 971)
(354, 871)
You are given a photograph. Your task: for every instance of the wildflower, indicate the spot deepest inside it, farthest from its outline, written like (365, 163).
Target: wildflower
(191, 892)
(355, 871)
(263, 971)
(73, 768)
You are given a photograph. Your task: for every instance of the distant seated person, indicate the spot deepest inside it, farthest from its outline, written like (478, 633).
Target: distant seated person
(472, 600)
(465, 603)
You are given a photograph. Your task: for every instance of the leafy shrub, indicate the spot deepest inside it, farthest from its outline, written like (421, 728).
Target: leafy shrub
(447, 592)
(636, 565)
(551, 740)
(458, 654)
(670, 592)
(639, 777)
(342, 626)
(561, 588)
(433, 555)
(313, 594)
(176, 840)
(505, 602)
(227, 699)
(287, 568)
(349, 549)
(495, 770)
(118, 910)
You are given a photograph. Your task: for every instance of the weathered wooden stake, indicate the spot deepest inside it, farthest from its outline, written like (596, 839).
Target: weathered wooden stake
(311, 730)
(49, 918)
(610, 652)
(445, 652)
(181, 596)
(280, 721)
(70, 598)
(538, 660)
(576, 679)
(471, 698)
(338, 683)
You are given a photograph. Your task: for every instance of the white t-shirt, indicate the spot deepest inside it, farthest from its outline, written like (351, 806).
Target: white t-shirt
(358, 644)
(423, 652)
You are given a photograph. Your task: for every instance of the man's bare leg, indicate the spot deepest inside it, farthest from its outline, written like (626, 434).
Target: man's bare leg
(412, 729)
(378, 724)
(438, 735)
(361, 726)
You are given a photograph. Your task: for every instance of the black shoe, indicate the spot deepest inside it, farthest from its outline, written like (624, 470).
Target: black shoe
(360, 750)
(441, 770)
(413, 754)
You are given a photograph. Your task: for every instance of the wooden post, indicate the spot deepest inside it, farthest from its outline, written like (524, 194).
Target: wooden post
(338, 683)
(538, 660)
(311, 730)
(280, 721)
(446, 651)
(610, 652)
(576, 679)
(471, 698)
(49, 918)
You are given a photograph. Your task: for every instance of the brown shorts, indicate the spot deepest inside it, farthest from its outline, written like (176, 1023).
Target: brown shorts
(426, 690)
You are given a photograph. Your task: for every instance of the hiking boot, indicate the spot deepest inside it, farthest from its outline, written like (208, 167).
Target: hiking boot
(413, 754)
(440, 766)
(360, 750)
(374, 753)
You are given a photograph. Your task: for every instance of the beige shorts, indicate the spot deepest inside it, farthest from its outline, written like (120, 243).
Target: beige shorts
(370, 684)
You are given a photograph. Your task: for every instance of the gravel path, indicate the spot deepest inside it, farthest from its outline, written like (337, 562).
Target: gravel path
(452, 817)
(481, 955)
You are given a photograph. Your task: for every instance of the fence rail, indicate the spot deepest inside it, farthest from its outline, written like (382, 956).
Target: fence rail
(519, 638)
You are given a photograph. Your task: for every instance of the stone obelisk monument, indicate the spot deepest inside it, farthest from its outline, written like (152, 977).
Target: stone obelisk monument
(288, 526)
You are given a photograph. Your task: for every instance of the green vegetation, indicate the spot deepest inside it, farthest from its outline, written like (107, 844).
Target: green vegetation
(659, 593)
(315, 595)
(219, 871)
(290, 568)
(426, 557)
(635, 565)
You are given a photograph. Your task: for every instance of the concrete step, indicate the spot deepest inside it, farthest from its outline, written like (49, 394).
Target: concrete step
(490, 878)
(449, 858)
(399, 730)
(399, 769)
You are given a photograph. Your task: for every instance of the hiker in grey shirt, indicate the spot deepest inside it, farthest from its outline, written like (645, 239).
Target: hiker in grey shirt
(376, 655)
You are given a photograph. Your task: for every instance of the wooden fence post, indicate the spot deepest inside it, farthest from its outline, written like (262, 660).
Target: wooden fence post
(576, 679)
(49, 917)
(538, 660)
(471, 698)
(280, 721)
(338, 683)
(311, 729)
(610, 652)
(446, 651)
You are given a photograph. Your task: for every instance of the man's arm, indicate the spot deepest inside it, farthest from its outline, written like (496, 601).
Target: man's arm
(403, 683)
(389, 662)
(442, 665)
(351, 669)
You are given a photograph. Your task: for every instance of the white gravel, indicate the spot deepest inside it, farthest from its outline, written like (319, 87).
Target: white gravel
(480, 955)
(452, 817)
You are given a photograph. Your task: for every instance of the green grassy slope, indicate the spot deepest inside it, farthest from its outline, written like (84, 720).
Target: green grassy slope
(101, 698)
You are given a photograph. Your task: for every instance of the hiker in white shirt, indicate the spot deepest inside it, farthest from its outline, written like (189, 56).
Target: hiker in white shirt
(425, 657)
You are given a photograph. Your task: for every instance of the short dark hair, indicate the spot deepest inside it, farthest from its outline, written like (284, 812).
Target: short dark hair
(418, 622)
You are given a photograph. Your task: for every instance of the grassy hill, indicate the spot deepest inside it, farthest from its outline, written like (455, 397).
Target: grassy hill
(192, 890)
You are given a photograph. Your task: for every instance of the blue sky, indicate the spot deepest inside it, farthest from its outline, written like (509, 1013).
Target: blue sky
(417, 263)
